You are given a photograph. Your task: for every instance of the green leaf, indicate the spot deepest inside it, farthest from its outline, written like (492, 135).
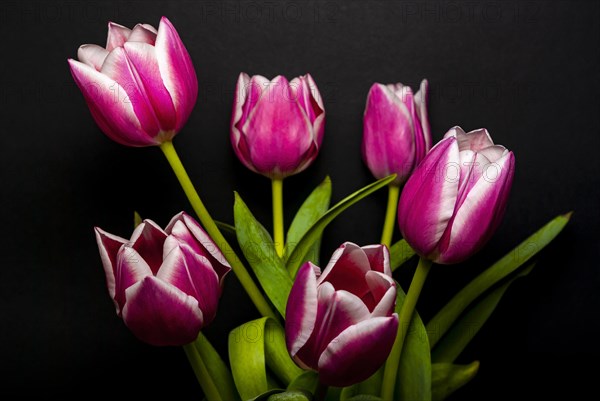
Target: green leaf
(371, 386)
(252, 347)
(307, 381)
(137, 219)
(316, 230)
(219, 373)
(257, 246)
(400, 253)
(414, 371)
(224, 227)
(447, 378)
(443, 320)
(469, 324)
(311, 210)
(365, 397)
(265, 396)
(294, 395)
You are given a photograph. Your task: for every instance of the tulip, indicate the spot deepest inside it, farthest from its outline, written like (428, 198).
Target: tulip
(455, 200)
(396, 133)
(165, 283)
(277, 126)
(140, 88)
(341, 322)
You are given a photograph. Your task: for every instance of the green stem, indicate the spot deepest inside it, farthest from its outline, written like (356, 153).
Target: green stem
(208, 386)
(211, 228)
(390, 215)
(406, 312)
(277, 190)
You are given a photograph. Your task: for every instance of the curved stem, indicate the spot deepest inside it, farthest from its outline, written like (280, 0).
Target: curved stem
(277, 190)
(208, 386)
(390, 215)
(211, 228)
(391, 366)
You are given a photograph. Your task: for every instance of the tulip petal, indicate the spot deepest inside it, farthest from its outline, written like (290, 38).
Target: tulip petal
(131, 268)
(160, 314)
(474, 140)
(111, 108)
(117, 36)
(141, 33)
(92, 55)
(119, 67)
(421, 98)
(206, 247)
(358, 351)
(378, 284)
(301, 309)
(147, 240)
(177, 70)
(194, 275)
(493, 153)
(278, 132)
(379, 258)
(388, 135)
(428, 199)
(109, 245)
(480, 212)
(347, 268)
(143, 58)
(319, 110)
(387, 303)
(337, 310)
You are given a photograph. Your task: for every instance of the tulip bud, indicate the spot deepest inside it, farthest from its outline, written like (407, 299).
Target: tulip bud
(341, 322)
(396, 133)
(142, 87)
(455, 200)
(277, 126)
(165, 284)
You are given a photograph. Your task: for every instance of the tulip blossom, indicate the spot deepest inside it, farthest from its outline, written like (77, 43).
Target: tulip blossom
(141, 87)
(455, 200)
(277, 126)
(340, 322)
(165, 283)
(396, 133)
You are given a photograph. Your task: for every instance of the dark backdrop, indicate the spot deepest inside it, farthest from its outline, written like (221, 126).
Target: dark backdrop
(526, 70)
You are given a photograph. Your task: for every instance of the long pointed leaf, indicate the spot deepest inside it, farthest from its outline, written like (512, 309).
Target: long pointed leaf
(312, 209)
(257, 246)
(447, 378)
(400, 253)
(218, 371)
(443, 320)
(414, 371)
(298, 255)
(469, 324)
(252, 347)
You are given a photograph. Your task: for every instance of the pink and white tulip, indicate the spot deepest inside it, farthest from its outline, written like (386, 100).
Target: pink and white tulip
(396, 133)
(341, 322)
(141, 87)
(165, 284)
(455, 200)
(277, 126)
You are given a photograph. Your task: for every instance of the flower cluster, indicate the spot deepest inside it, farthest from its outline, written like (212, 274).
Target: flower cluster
(335, 326)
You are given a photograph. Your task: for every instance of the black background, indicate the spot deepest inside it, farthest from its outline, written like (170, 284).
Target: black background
(526, 70)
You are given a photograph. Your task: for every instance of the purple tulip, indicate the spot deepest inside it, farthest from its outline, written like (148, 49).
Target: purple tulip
(341, 322)
(455, 200)
(165, 284)
(396, 133)
(142, 87)
(277, 126)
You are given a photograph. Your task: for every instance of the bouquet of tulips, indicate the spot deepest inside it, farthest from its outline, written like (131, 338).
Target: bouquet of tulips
(339, 329)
